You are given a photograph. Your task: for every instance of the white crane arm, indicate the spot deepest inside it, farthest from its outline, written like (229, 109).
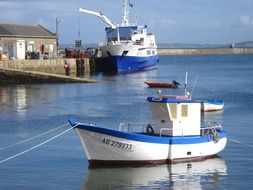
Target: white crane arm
(99, 15)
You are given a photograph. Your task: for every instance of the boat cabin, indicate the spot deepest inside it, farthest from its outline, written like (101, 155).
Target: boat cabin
(125, 33)
(175, 117)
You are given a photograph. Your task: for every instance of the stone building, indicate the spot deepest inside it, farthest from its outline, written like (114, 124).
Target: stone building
(26, 42)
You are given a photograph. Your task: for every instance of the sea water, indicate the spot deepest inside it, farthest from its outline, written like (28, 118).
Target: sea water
(30, 110)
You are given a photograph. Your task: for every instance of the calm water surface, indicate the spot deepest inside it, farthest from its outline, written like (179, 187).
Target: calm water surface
(29, 110)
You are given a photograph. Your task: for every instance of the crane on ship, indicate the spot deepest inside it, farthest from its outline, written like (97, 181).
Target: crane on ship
(99, 15)
(125, 19)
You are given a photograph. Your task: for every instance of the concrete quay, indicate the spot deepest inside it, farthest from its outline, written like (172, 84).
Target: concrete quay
(13, 76)
(44, 71)
(203, 51)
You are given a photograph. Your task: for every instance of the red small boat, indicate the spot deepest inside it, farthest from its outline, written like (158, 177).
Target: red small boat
(173, 84)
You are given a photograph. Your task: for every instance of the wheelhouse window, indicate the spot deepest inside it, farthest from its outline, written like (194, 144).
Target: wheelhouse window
(184, 111)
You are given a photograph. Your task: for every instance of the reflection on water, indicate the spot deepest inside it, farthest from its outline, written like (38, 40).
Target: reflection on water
(189, 175)
(21, 100)
(15, 98)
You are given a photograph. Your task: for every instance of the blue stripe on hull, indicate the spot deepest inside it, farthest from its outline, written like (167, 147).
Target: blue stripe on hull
(215, 102)
(151, 139)
(128, 63)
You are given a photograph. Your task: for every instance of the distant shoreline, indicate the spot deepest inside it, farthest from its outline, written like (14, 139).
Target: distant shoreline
(205, 51)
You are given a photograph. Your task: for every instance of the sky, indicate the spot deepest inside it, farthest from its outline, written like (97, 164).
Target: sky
(172, 21)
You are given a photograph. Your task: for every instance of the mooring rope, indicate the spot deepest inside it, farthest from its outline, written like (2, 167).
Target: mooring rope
(238, 142)
(34, 137)
(36, 146)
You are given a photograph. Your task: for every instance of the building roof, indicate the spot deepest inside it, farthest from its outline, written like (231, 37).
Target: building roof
(15, 30)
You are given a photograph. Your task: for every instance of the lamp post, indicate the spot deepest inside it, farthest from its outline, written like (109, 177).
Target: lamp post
(57, 39)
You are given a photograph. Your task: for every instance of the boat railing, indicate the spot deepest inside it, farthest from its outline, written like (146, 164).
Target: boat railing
(162, 130)
(136, 127)
(115, 42)
(143, 128)
(169, 131)
(212, 126)
(209, 129)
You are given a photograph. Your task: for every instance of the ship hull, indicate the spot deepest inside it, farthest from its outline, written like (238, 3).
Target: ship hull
(105, 146)
(126, 63)
(127, 57)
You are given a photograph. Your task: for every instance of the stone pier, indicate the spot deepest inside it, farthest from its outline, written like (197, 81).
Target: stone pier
(44, 71)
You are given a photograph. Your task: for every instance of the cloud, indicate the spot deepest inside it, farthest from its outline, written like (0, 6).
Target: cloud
(246, 20)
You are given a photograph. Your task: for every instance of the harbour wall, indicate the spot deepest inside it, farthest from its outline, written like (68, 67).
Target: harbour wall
(53, 66)
(205, 51)
(45, 71)
(13, 76)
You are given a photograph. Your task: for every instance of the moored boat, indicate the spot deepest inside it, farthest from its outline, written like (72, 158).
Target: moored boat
(154, 84)
(128, 47)
(176, 135)
(207, 105)
(212, 105)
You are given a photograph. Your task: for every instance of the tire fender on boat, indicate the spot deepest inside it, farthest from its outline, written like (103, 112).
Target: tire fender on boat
(150, 130)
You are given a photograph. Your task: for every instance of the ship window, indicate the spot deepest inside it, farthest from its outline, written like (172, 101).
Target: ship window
(184, 111)
(148, 52)
(123, 38)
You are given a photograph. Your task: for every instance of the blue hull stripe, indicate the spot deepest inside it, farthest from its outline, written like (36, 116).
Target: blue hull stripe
(169, 100)
(151, 139)
(129, 63)
(216, 102)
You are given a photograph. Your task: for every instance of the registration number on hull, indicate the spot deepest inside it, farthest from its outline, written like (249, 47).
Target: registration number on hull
(117, 144)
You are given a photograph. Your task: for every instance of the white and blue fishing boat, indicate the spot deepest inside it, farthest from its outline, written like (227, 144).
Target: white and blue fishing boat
(128, 47)
(176, 134)
(208, 105)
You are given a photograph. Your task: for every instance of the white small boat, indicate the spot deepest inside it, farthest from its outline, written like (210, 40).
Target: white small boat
(212, 105)
(177, 135)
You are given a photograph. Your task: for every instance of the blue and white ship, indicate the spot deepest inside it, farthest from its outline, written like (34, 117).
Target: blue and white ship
(127, 47)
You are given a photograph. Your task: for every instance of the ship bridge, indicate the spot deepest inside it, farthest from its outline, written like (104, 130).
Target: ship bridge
(126, 33)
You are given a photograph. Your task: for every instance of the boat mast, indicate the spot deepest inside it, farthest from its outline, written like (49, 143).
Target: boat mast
(125, 19)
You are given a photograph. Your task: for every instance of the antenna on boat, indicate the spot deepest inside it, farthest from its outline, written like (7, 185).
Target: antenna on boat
(185, 84)
(193, 86)
(125, 19)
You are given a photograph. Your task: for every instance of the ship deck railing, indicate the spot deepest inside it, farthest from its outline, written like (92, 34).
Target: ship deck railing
(209, 129)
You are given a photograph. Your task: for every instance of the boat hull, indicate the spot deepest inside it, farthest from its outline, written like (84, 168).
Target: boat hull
(126, 57)
(126, 63)
(153, 84)
(106, 146)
